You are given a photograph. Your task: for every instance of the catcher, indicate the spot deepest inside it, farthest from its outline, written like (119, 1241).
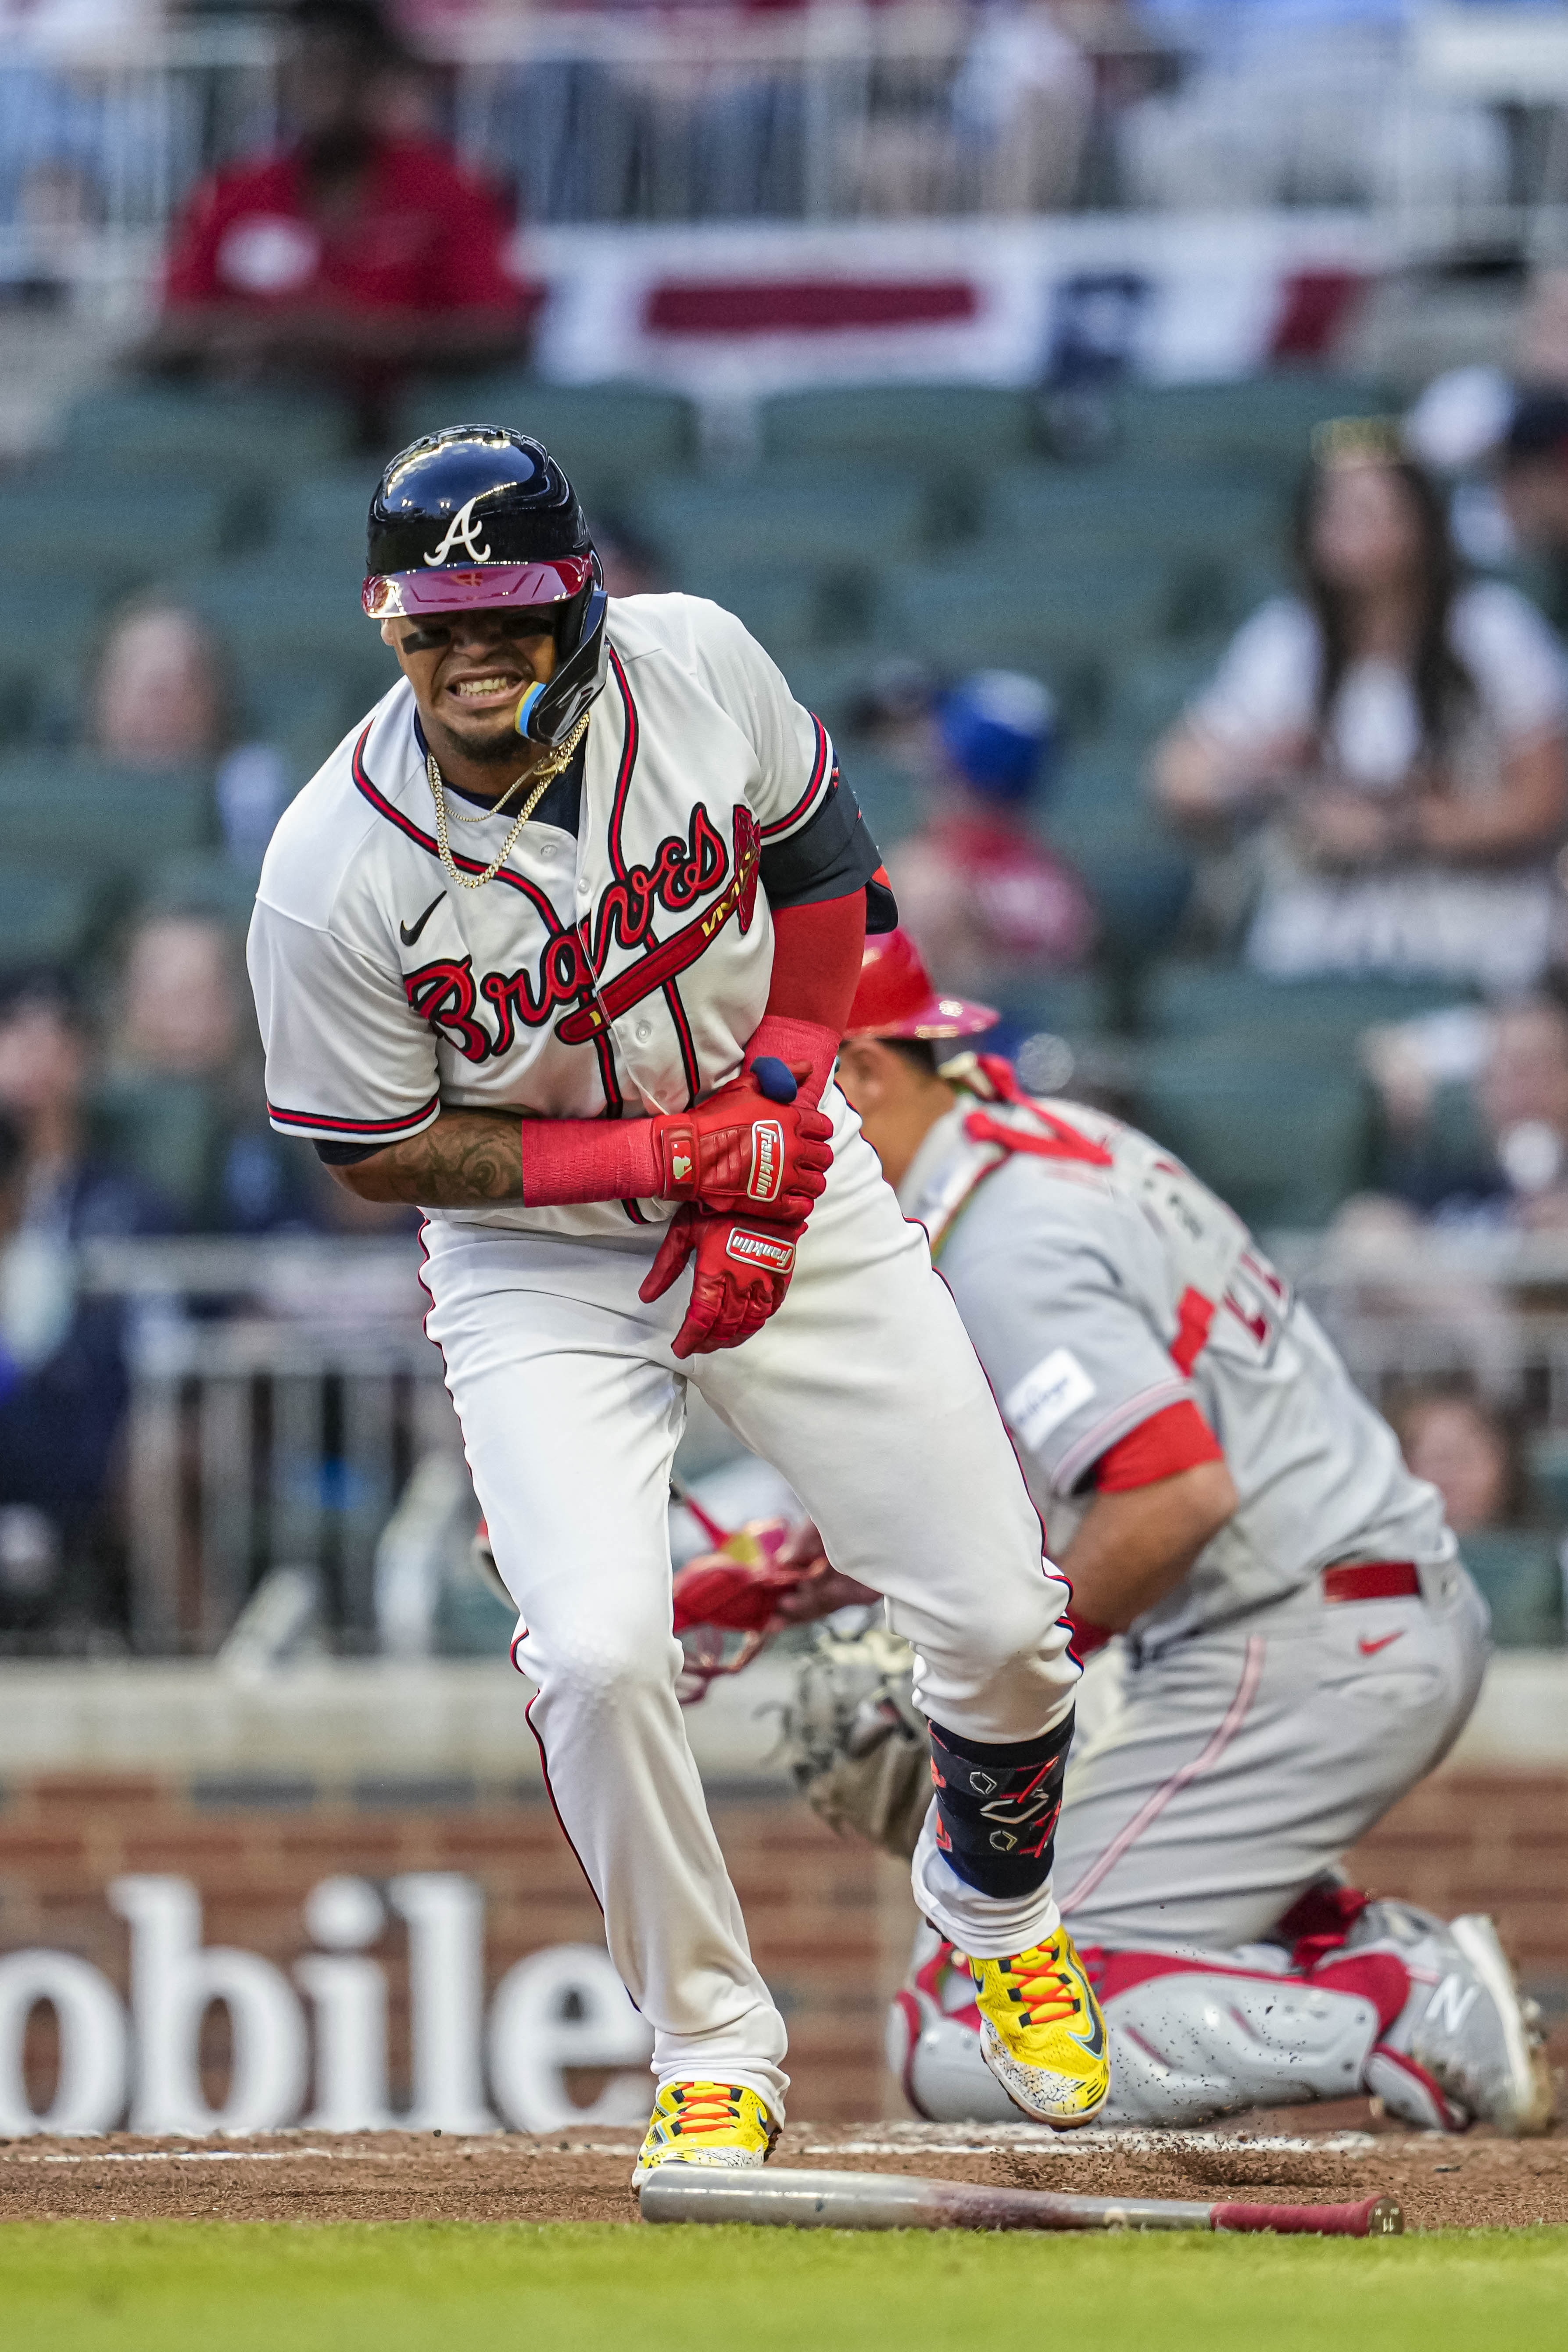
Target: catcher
(1284, 1637)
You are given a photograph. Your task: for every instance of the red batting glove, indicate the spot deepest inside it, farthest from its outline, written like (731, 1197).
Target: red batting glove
(742, 1273)
(744, 1151)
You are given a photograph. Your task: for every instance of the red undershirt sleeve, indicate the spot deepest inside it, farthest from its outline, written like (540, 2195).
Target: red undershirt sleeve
(817, 970)
(817, 950)
(1172, 1440)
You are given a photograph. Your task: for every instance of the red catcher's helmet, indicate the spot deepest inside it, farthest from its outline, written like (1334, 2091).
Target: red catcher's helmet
(896, 998)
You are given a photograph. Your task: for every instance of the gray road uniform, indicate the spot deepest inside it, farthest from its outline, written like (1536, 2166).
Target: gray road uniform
(1251, 1726)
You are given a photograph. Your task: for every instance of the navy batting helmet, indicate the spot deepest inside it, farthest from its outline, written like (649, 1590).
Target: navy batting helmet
(478, 515)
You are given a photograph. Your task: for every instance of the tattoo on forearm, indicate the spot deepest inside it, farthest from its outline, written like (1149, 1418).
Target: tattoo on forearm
(466, 1157)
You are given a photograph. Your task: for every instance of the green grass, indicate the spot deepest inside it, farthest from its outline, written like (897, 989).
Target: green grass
(253, 2287)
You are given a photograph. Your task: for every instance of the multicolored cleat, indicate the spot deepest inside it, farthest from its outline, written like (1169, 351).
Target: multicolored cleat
(718, 2124)
(1042, 2033)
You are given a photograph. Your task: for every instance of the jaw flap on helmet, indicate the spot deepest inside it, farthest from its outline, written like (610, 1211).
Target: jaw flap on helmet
(548, 712)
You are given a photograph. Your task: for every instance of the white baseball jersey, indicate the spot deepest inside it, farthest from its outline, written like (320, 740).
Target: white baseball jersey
(627, 967)
(1102, 1285)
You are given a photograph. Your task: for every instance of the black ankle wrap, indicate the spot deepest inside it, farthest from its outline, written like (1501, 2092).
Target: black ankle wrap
(997, 1807)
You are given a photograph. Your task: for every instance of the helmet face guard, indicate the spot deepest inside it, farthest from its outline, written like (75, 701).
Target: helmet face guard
(390, 595)
(479, 518)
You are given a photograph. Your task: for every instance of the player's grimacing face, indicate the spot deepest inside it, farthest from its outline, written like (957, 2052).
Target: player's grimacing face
(469, 670)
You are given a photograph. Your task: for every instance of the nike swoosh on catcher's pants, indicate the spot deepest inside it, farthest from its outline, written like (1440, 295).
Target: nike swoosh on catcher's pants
(409, 936)
(1369, 1649)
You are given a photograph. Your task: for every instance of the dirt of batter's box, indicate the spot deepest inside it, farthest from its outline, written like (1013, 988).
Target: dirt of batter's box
(583, 2175)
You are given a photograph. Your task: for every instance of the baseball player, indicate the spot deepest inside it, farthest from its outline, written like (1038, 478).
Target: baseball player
(560, 944)
(1286, 1639)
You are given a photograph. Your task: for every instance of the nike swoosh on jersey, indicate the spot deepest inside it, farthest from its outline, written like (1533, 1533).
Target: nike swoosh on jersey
(408, 933)
(1370, 1648)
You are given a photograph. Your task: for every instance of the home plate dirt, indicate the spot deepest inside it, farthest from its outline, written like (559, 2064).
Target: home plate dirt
(582, 2175)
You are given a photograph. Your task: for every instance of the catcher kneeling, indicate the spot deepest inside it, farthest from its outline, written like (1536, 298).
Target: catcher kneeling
(1284, 1638)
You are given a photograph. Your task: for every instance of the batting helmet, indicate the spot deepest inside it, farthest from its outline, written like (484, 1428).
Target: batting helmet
(477, 515)
(896, 998)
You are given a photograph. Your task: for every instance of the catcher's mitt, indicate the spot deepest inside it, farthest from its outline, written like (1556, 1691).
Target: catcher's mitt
(853, 1740)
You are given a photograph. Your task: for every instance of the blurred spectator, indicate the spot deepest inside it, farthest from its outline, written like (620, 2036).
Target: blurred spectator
(1022, 103)
(1532, 477)
(1468, 1452)
(181, 1101)
(631, 564)
(893, 710)
(163, 696)
(991, 906)
(68, 1194)
(356, 252)
(1474, 1454)
(1512, 1067)
(1407, 731)
(62, 1398)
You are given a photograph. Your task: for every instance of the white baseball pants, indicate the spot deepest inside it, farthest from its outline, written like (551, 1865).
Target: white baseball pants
(864, 1392)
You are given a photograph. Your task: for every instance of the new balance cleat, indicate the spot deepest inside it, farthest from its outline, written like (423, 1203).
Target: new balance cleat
(1042, 2034)
(1464, 2048)
(722, 2125)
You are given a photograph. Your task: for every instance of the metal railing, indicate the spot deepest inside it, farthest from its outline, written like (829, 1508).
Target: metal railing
(1450, 128)
(1487, 1307)
(283, 1395)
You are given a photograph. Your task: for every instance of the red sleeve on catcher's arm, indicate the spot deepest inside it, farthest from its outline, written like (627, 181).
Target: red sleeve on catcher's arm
(1161, 1447)
(817, 970)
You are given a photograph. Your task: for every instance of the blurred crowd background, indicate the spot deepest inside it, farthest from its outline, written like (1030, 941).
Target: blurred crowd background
(1212, 717)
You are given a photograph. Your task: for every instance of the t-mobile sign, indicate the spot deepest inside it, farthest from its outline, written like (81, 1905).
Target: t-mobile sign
(310, 2044)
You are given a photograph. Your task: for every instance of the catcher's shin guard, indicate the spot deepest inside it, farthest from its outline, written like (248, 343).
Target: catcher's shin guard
(997, 1807)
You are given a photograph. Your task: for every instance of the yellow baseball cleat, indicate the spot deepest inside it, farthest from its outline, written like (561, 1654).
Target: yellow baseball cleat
(720, 2123)
(1042, 2033)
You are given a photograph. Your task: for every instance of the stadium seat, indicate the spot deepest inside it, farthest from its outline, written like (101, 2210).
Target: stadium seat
(785, 606)
(930, 426)
(326, 512)
(240, 442)
(1195, 1001)
(1547, 1458)
(1115, 505)
(47, 628)
(169, 1131)
(846, 517)
(280, 616)
(610, 437)
(1284, 1140)
(890, 801)
(1520, 1572)
(830, 682)
(1139, 878)
(107, 820)
(1265, 422)
(1153, 686)
(970, 604)
(134, 530)
(47, 913)
(1071, 1005)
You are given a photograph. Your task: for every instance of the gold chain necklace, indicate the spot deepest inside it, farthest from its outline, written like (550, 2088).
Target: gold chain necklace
(557, 760)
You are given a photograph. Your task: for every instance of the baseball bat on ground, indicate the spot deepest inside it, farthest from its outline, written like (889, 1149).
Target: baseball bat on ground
(882, 2201)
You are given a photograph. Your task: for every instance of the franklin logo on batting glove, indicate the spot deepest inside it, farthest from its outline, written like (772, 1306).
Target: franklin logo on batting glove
(767, 1160)
(760, 1249)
